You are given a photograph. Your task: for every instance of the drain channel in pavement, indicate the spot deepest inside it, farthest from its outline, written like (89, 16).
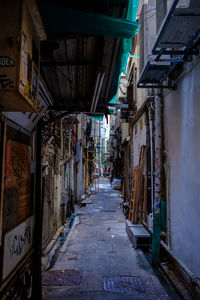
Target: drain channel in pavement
(123, 285)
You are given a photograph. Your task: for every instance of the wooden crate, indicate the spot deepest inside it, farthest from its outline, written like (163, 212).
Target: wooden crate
(19, 57)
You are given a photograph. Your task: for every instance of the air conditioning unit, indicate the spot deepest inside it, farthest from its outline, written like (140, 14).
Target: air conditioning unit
(19, 56)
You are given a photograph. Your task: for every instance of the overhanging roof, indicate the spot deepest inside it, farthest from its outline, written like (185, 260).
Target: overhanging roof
(176, 40)
(82, 47)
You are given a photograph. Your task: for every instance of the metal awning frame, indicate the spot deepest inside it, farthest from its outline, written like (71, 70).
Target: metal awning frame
(158, 61)
(163, 83)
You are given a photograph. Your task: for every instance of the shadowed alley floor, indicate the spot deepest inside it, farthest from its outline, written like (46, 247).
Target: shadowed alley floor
(98, 248)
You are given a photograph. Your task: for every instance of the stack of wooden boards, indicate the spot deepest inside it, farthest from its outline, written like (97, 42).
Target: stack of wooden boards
(138, 206)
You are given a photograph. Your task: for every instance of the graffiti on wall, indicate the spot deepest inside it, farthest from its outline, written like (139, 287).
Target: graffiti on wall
(6, 82)
(28, 120)
(18, 165)
(17, 243)
(17, 185)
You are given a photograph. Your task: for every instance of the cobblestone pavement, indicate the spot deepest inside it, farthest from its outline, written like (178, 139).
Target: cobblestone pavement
(98, 247)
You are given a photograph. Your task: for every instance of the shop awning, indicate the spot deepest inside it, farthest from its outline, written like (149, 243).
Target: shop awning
(60, 20)
(87, 46)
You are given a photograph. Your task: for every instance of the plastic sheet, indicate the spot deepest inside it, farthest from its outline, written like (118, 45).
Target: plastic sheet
(125, 49)
(62, 20)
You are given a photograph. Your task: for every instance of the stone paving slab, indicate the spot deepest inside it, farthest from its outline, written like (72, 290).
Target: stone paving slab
(99, 247)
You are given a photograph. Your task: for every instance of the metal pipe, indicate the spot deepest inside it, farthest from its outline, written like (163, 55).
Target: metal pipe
(193, 278)
(61, 140)
(151, 154)
(95, 91)
(157, 179)
(99, 153)
(37, 274)
(98, 92)
(158, 143)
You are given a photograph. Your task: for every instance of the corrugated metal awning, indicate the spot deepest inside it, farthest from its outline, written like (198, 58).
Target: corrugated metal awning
(79, 58)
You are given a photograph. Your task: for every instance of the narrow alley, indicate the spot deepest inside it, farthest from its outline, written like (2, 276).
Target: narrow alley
(99, 149)
(98, 257)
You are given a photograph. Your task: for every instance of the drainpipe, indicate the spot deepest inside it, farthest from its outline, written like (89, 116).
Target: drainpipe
(37, 272)
(151, 151)
(61, 140)
(157, 176)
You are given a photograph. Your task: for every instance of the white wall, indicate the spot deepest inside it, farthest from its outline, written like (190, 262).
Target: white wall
(182, 130)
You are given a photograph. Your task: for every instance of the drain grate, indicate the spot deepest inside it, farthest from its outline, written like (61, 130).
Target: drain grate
(123, 285)
(62, 278)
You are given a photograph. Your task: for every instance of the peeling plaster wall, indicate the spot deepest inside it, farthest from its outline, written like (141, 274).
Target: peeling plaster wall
(182, 131)
(52, 218)
(139, 138)
(49, 226)
(71, 172)
(58, 198)
(80, 178)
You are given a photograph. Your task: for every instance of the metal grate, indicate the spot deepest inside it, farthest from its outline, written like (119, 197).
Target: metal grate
(123, 285)
(62, 278)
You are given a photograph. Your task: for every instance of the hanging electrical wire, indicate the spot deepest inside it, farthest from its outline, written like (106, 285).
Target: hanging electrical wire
(148, 18)
(146, 12)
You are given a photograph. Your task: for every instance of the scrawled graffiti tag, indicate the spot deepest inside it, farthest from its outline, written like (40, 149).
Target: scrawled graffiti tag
(6, 82)
(18, 166)
(19, 241)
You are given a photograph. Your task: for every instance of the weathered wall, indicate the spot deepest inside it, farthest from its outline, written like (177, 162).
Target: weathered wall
(58, 197)
(182, 124)
(80, 190)
(80, 177)
(52, 195)
(48, 196)
(139, 139)
(71, 174)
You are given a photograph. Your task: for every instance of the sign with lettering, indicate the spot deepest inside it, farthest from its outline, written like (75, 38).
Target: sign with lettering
(17, 243)
(6, 61)
(28, 120)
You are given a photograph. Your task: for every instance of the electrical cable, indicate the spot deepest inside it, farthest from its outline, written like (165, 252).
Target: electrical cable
(63, 74)
(148, 18)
